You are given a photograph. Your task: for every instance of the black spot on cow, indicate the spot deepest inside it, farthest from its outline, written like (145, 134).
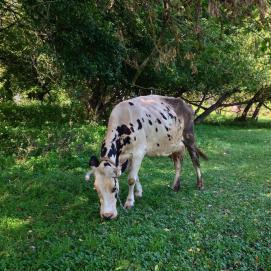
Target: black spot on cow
(169, 137)
(114, 138)
(170, 115)
(130, 103)
(118, 150)
(103, 150)
(164, 117)
(132, 128)
(123, 130)
(112, 151)
(159, 121)
(156, 130)
(134, 138)
(126, 140)
(166, 128)
(143, 120)
(131, 124)
(150, 122)
(106, 164)
(139, 124)
(158, 145)
(124, 166)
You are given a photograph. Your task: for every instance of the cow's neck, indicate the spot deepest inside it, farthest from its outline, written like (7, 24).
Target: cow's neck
(111, 147)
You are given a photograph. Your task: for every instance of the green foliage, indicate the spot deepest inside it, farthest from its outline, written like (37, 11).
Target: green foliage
(102, 51)
(49, 216)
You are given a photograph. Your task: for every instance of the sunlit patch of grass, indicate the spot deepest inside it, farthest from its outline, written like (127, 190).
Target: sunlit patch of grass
(8, 223)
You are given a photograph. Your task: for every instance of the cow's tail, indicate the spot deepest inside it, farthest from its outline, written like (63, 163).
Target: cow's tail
(201, 154)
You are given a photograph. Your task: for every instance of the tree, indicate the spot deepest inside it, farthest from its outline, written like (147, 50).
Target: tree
(100, 52)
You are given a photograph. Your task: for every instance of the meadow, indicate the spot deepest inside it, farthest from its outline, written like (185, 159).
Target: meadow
(49, 216)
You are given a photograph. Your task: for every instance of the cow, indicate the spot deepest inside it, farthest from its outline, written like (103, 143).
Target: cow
(147, 125)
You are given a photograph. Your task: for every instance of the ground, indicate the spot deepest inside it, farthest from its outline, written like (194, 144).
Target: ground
(49, 216)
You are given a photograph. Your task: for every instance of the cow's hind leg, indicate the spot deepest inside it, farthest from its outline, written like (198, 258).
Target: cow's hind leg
(189, 142)
(177, 158)
(133, 182)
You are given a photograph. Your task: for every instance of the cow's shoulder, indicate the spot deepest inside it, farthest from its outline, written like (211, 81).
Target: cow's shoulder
(181, 108)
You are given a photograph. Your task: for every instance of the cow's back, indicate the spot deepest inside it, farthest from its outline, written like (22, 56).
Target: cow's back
(156, 124)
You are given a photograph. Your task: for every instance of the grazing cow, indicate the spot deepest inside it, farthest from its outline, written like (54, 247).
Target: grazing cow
(147, 125)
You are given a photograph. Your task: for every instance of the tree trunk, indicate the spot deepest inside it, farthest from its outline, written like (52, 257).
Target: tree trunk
(257, 111)
(213, 107)
(243, 117)
(248, 106)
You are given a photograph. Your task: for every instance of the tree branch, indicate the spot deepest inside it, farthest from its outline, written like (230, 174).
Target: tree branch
(194, 103)
(200, 104)
(213, 107)
(267, 107)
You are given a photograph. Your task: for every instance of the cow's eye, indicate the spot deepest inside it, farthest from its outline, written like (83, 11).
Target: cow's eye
(114, 189)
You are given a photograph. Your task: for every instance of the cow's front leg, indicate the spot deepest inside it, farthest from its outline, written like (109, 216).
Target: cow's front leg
(133, 182)
(138, 189)
(130, 198)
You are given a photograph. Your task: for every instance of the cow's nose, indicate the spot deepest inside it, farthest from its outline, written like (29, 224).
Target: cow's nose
(107, 216)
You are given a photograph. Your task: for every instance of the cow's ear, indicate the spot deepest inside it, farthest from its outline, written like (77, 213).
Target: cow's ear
(93, 161)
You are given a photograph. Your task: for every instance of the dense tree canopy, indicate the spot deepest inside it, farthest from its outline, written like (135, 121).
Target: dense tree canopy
(212, 53)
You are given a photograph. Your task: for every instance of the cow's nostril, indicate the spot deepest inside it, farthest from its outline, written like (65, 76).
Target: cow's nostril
(107, 216)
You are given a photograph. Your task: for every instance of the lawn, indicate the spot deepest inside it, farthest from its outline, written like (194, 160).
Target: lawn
(49, 216)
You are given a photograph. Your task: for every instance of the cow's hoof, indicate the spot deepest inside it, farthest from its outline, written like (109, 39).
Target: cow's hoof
(200, 185)
(129, 204)
(138, 194)
(176, 187)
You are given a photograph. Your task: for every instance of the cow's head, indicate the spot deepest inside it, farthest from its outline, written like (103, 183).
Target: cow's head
(106, 185)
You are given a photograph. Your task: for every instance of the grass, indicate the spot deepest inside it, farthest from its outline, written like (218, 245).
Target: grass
(49, 217)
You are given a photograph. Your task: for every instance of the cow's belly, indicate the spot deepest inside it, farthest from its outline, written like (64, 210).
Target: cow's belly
(164, 149)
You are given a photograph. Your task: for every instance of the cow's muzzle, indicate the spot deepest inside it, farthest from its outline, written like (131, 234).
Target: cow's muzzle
(108, 216)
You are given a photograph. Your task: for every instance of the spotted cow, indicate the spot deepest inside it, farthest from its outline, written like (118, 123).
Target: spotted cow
(147, 125)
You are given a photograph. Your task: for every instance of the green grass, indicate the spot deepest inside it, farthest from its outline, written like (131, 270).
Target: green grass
(49, 217)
